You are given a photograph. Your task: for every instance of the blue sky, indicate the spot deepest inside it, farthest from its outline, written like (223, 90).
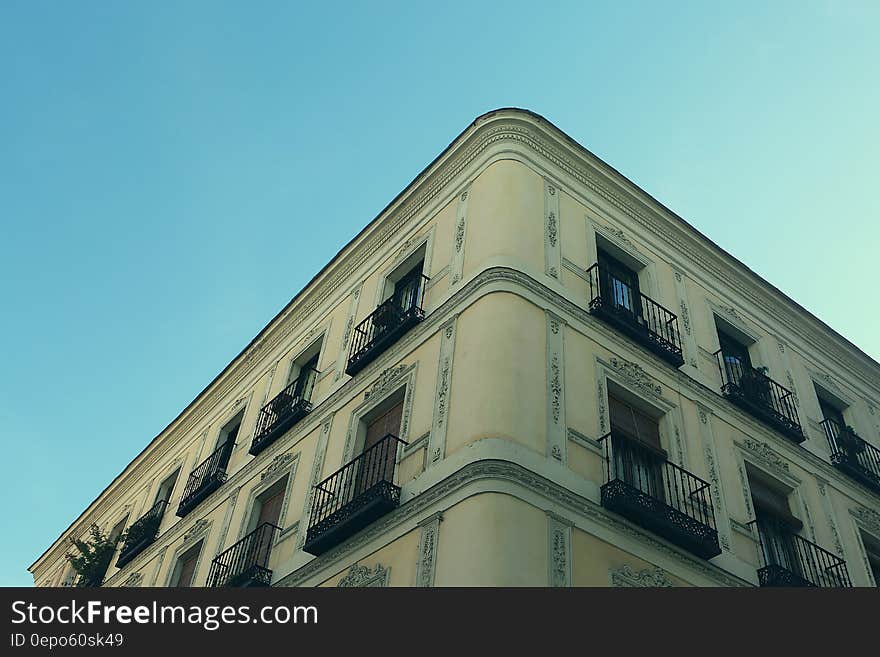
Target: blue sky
(172, 173)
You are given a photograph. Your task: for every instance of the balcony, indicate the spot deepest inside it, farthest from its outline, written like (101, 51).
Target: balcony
(354, 496)
(206, 478)
(644, 487)
(286, 409)
(759, 395)
(852, 455)
(141, 534)
(384, 326)
(636, 315)
(247, 562)
(790, 560)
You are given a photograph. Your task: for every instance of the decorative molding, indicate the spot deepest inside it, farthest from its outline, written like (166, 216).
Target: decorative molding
(456, 264)
(227, 518)
(559, 551)
(603, 423)
(317, 469)
(133, 580)
(867, 518)
(614, 234)
(342, 356)
(198, 529)
(552, 236)
(636, 375)
(443, 393)
(829, 517)
(387, 379)
(685, 317)
(580, 272)
(556, 430)
(585, 441)
(360, 577)
(794, 395)
(766, 454)
(502, 471)
(278, 465)
(649, 577)
(427, 563)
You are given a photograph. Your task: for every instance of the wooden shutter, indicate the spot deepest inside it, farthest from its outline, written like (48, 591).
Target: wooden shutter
(388, 422)
(270, 509)
(188, 568)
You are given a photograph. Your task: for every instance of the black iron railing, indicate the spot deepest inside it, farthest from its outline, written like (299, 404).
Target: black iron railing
(853, 455)
(247, 562)
(788, 559)
(385, 325)
(634, 313)
(760, 395)
(663, 497)
(208, 476)
(141, 533)
(286, 409)
(354, 496)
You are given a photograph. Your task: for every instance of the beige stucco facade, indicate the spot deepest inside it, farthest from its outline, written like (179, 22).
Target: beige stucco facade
(504, 386)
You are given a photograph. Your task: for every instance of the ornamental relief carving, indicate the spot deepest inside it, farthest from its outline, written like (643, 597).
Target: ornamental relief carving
(636, 375)
(360, 576)
(766, 454)
(133, 580)
(868, 518)
(199, 527)
(647, 577)
(387, 378)
(278, 464)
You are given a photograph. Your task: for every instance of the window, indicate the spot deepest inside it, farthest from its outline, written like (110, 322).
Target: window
(619, 283)
(775, 523)
(404, 283)
(735, 353)
(166, 487)
(117, 528)
(872, 550)
(226, 439)
(380, 454)
(637, 457)
(304, 372)
(185, 568)
(831, 408)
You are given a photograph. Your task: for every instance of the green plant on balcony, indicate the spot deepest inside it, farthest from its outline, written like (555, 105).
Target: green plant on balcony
(92, 556)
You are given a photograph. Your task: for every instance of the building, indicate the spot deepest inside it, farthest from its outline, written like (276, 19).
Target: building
(525, 371)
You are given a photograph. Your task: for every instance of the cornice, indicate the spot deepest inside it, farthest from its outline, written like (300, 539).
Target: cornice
(502, 471)
(502, 129)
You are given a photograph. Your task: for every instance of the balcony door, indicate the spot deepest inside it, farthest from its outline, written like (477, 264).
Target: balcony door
(777, 527)
(268, 510)
(226, 441)
(620, 285)
(736, 357)
(406, 289)
(305, 379)
(637, 457)
(378, 459)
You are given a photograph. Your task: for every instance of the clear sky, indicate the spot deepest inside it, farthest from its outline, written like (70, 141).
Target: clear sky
(172, 173)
